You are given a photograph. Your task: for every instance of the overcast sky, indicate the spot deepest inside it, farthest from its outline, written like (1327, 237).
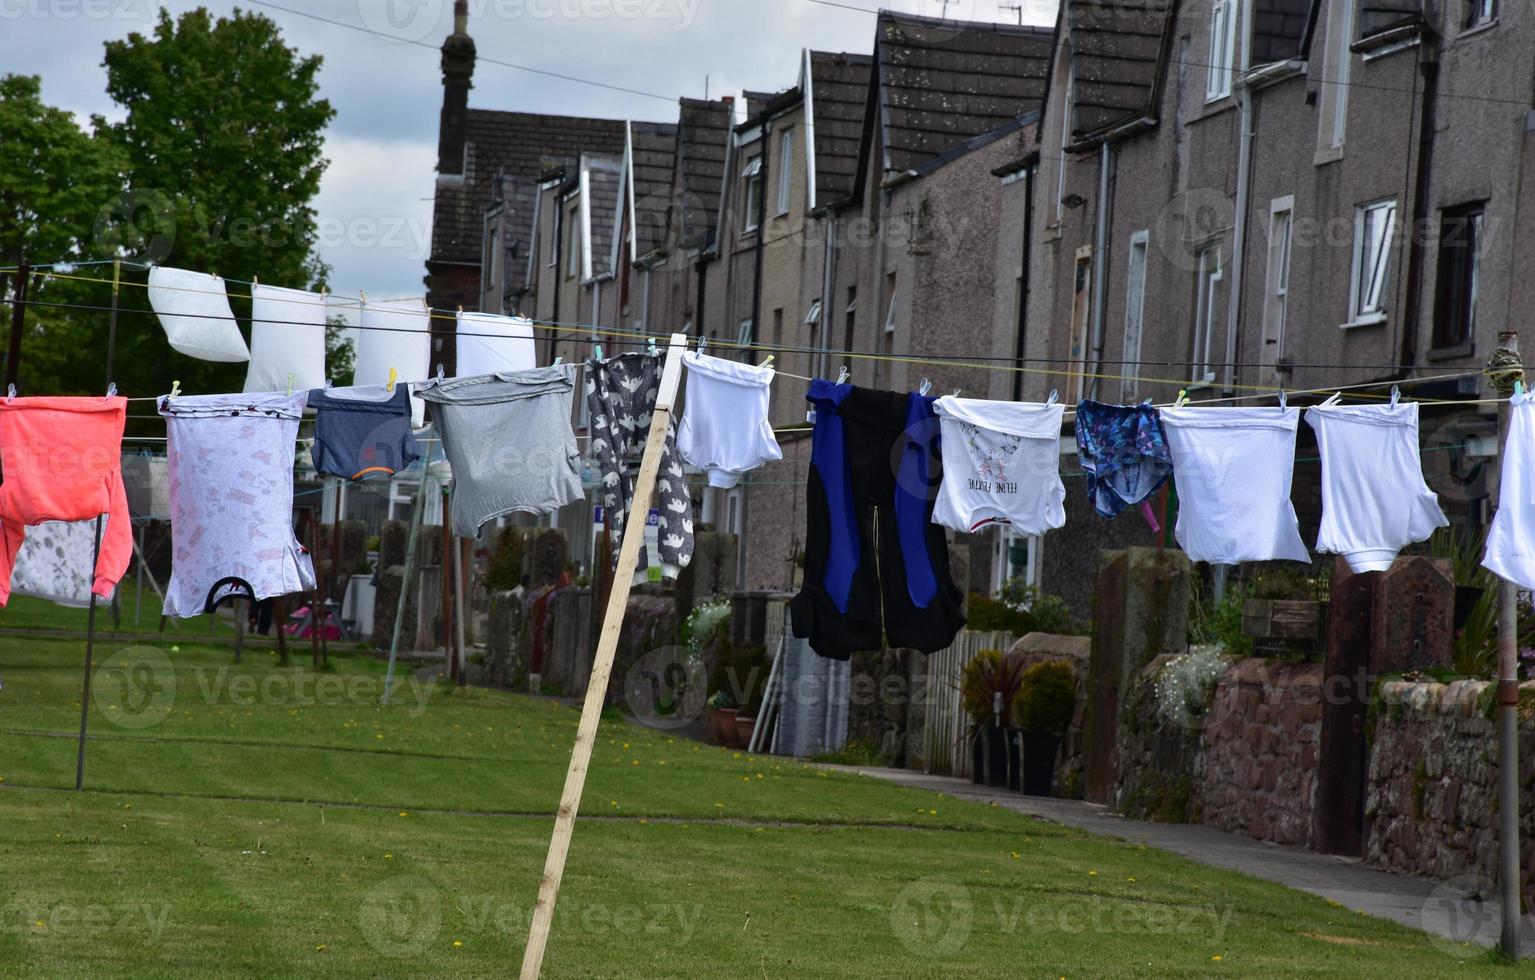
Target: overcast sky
(374, 205)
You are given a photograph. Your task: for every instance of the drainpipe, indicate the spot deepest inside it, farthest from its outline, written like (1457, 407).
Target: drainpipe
(747, 355)
(1101, 258)
(1019, 348)
(1244, 98)
(828, 283)
(1412, 316)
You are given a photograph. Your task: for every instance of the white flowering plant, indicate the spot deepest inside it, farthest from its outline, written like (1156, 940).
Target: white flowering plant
(1186, 684)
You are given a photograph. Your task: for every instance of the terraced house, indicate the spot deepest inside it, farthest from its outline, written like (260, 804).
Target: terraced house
(1234, 195)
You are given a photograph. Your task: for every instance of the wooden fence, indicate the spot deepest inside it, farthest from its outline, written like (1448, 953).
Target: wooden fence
(945, 748)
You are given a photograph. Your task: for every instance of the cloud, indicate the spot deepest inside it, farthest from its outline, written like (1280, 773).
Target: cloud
(375, 214)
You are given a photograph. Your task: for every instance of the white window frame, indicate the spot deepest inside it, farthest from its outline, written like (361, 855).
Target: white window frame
(1367, 286)
(1223, 48)
(573, 240)
(814, 316)
(733, 511)
(1480, 13)
(1002, 567)
(751, 187)
(890, 307)
(1210, 272)
(785, 171)
(1336, 69)
(1135, 313)
(744, 331)
(1276, 304)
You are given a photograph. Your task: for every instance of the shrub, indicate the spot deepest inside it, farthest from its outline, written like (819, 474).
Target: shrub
(1021, 609)
(504, 571)
(1047, 693)
(990, 673)
(1219, 624)
(703, 621)
(1186, 683)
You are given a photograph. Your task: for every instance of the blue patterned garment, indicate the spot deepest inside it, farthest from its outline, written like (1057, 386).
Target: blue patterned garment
(1124, 451)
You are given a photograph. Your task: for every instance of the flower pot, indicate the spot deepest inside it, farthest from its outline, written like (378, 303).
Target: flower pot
(1283, 619)
(1039, 750)
(744, 728)
(722, 722)
(996, 755)
(1014, 760)
(977, 757)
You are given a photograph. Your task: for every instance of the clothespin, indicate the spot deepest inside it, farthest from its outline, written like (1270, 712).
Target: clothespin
(956, 392)
(652, 347)
(10, 393)
(1518, 387)
(392, 375)
(255, 281)
(1054, 397)
(290, 382)
(362, 296)
(111, 389)
(597, 352)
(1336, 397)
(175, 389)
(439, 374)
(1283, 402)
(1396, 392)
(703, 344)
(327, 384)
(842, 374)
(766, 361)
(558, 361)
(925, 387)
(1182, 399)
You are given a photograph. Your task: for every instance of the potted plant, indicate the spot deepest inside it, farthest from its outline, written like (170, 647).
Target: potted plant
(1047, 694)
(1283, 606)
(722, 717)
(987, 689)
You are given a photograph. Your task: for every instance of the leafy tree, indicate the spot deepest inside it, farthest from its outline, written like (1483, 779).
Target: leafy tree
(221, 140)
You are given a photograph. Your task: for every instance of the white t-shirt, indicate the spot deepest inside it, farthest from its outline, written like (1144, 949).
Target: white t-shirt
(1001, 465)
(1233, 468)
(1374, 499)
(1511, 540)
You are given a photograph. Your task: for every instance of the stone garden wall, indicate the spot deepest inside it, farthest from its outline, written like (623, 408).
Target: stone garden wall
(1159, 763)
(1432, 804)
(1260, 750)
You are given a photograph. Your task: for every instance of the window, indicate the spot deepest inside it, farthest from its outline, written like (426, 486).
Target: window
(785, 169)
(814, 316)
(733, 512)
(777, 330)
(1016, 557)
(573, 242)
(1209, 279)
(1135, 304)
(492, 275)
(1059, 205)
(1479, 12)
(1081, 315)
(1276, 299)
(1333, 94)
(1460, 260)
(746, 333)
(1374, 224)
(851, 313)
(751, 194)
(1223, 45)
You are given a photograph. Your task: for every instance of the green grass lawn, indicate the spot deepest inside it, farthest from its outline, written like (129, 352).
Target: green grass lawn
(254, 820)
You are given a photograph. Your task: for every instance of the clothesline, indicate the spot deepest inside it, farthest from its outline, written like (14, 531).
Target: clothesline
(596, 330)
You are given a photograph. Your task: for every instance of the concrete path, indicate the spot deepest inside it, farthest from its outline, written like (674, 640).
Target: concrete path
(1436, 907)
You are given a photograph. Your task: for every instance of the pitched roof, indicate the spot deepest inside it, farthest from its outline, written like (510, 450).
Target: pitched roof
(942, 82)
(839, 92)
(654, 148)
(519, 145)
(1116, 54)
(1279, 26)
(702, 135)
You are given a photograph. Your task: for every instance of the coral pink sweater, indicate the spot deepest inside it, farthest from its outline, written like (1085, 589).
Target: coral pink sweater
(61, 460)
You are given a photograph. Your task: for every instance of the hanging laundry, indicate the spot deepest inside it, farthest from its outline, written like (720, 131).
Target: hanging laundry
(362, 431)
(725, 429)
(394, 337)
(287, 339)
(855, 596)
(231, 467)
(1374, 498)
(508, 438)
(1233, 467)
(1001, 465)
(61, 461)
(490, 344)
(1124, 450)
(147, 481)
(55, 562)
(620, 396)
(1510, 550)
(194, 312)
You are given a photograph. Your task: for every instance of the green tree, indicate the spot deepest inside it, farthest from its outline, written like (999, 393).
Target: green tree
(221, 138)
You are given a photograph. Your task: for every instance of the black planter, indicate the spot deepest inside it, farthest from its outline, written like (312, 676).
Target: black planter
(1466, 597)
(1014, 760)
(977, 757)
(996, 755)
(1039, 751)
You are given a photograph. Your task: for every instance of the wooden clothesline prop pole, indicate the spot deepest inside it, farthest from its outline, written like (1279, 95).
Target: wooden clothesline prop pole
(602, 666)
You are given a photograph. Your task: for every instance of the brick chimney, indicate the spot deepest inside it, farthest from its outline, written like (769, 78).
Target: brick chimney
(457, 72)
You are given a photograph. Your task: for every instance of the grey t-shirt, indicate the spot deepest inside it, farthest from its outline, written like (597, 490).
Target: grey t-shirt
(509, 441)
